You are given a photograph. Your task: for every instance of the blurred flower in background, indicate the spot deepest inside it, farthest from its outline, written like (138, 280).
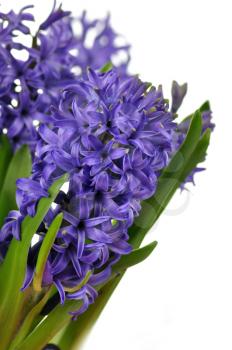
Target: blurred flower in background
(56, 57)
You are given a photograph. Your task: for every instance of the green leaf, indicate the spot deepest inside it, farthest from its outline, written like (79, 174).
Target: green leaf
(12, 271)
(106, 68)
(169, 181)
(205, 107)
(44, 251)
(5, 157)
(134, 258)
(199, 153)
(20, 166)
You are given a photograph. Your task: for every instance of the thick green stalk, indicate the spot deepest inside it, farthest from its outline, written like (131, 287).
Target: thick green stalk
(13, 319)
(47, 329)
(28, 321)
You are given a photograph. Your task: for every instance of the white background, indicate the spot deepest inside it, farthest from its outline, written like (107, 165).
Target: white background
(181, 297)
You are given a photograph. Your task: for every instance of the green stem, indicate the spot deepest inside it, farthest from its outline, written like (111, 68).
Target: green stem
(47, 329)
(13, 319)
(28, 321)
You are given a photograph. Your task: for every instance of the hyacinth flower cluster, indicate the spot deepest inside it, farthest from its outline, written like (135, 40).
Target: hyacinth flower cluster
(80, 190)
(113, 136)
(33, 73)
